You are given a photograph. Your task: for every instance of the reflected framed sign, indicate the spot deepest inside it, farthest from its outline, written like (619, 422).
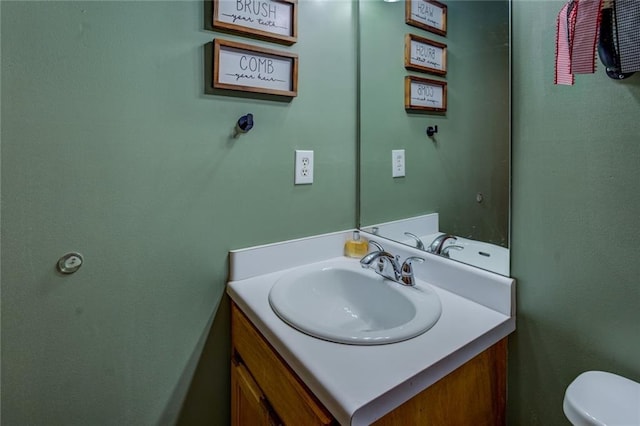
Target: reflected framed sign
(424, 94)
(422, 54)
(430, 15)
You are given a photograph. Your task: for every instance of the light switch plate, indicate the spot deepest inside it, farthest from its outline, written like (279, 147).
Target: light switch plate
(397, 162)
(303, 167)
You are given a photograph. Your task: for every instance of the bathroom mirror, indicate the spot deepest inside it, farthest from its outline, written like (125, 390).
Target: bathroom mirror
(460, 176)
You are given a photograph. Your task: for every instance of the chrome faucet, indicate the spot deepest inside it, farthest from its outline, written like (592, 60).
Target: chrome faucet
(419, 243)
(437, 245)
(388, 266)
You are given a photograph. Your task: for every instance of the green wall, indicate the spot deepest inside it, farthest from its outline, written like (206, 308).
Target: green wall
(471, 152)
(576, 203)
(112, 145)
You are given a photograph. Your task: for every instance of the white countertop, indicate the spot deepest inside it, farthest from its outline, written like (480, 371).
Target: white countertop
(359, 384)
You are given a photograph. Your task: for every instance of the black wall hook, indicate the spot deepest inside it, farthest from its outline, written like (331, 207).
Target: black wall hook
(244, 124)
(432, 130)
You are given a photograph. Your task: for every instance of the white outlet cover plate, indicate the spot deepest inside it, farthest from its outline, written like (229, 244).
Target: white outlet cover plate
(397, 162)
(303, 167)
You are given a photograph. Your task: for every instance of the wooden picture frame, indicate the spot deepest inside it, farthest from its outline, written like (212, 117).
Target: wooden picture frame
(422, 54)
(430, 15)
(270, 20)
(247, 68)
(424, 95)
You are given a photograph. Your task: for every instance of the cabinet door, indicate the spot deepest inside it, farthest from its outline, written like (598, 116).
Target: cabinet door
(287, 394)
(249, 406)
(472, 395)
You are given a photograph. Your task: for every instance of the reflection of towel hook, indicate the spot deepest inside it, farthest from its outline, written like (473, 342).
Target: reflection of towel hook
(244, 124)
(432, 130)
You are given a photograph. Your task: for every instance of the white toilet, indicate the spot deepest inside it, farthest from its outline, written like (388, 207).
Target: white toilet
(597, 398)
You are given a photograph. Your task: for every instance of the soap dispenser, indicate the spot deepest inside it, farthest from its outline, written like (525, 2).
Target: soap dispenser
(356, 247)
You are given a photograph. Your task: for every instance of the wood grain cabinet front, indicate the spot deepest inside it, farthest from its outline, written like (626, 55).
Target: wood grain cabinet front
(266, 391)
(249, 406)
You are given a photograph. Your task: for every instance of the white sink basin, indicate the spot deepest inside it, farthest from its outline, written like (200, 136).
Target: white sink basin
(348, 304)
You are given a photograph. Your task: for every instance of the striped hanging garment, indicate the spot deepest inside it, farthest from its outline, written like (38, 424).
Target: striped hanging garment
(565, 28)
(576, 39)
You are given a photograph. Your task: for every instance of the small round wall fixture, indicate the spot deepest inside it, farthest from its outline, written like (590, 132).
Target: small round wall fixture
(70, 263)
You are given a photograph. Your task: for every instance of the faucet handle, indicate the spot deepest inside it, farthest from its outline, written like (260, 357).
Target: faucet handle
(409, 260)
(445, 250)
(419, 243)
(407, 270)
(377, 245)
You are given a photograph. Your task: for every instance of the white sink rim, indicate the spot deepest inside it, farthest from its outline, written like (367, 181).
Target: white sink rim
(395, 312)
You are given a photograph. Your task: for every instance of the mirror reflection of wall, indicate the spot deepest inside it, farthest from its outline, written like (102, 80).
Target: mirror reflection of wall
(470, 154)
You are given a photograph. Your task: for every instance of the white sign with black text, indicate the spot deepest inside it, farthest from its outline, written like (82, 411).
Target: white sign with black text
(430, 15)
(260, 17)
(426, 95)
(249, 68)
(426, 55)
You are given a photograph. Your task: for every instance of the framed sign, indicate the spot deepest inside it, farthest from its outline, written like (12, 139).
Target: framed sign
(430, 15)
(271, 20)
(423, 94)
(238, 66)
(422, 54)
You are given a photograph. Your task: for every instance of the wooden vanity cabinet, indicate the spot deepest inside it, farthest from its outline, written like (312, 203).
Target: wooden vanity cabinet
(265, 391)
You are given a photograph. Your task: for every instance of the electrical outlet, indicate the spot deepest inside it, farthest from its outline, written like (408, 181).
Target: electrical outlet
(397, 162)
(303, 167)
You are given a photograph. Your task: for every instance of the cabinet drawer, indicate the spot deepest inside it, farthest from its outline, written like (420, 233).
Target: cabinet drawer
(286, 393)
